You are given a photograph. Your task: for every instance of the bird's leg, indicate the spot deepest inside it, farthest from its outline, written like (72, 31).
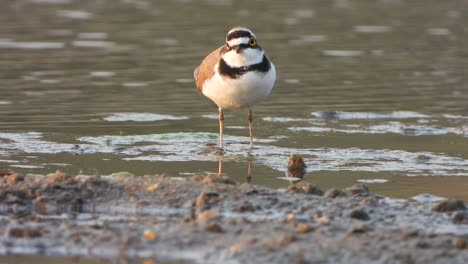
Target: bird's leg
(250, 127)
(220, 167)
(221, 125)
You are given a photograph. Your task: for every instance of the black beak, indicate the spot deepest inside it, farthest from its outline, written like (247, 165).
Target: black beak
(239, 49)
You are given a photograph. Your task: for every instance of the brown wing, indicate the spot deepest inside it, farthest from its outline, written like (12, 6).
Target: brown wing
(206, 68)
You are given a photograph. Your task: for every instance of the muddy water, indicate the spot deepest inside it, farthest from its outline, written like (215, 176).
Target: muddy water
(367, 91)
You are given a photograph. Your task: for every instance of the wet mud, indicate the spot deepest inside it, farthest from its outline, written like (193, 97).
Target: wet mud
(213, 219)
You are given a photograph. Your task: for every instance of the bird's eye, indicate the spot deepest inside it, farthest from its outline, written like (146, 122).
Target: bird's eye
(252, 41)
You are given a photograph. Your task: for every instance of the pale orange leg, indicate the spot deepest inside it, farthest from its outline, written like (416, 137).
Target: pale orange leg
(221, 127)
(250, 127)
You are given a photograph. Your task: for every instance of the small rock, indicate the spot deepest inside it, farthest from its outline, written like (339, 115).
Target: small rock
(214, 228)
(296, 166)
(459, 217)
(236, 248)
(333, 193)
(216, 179)
(420, 244)
(303, 228)
(25, 232)
(448, 206)
(290, 218)
(459, 243)
(358, 229)
(409, 234)
(207, 216)
(304, 187)
(279, 241)
(14, 178)
(201, 201)
(322, 219)
(206, 198)
(149, 235)
(359, 214)
(370, 201)
(152, 187)
(245, 207)
(358, 189)
(296, 162)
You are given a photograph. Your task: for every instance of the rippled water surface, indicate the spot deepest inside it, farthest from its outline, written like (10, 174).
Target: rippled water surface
(367, 91)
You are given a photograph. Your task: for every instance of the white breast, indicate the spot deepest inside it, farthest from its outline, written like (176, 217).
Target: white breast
(243, 92)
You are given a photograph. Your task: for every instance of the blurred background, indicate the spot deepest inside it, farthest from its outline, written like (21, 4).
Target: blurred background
(368, 91)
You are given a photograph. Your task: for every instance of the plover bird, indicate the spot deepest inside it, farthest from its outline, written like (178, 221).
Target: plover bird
(236, 75)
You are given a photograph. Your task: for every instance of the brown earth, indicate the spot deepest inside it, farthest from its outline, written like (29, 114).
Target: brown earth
(212, 219)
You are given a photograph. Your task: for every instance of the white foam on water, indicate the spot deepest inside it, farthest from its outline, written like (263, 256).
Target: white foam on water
(342, 53)
(283, 119)
(60, 33)
(93, 35)
(427, 198)
(102, 74)
(92, 44)
(75, 14)
(368, 115)
(373, 180)
(142, 117)
(134, 84)
(54, 2)
(372, 29)
(10, 44)
(438, 31)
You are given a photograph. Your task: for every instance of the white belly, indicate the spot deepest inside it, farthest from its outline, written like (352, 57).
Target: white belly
(243, 92)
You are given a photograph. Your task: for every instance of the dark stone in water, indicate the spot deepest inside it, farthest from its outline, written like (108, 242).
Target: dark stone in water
(359, 214)
(449, 205)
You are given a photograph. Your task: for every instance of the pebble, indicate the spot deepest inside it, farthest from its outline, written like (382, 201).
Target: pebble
(459, 243)
(207, 216)
(359, 214)
(215, 179)
(358, 189)
(303, 228)
(296, 166)
(459, 217)
(201, 201)
(334, 193)
(214, 228)
(149, 235)
(358, 229)
(449, 205)
(152, 188)
(304, 187)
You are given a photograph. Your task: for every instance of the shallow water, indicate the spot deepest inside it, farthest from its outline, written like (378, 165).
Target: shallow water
(367, 91)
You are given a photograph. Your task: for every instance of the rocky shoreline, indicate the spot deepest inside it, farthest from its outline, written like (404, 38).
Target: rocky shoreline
(212, 219)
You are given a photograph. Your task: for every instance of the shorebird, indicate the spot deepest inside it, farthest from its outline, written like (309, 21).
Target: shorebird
(236, 75)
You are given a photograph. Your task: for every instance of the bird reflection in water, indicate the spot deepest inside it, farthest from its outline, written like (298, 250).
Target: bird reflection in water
(248, 178)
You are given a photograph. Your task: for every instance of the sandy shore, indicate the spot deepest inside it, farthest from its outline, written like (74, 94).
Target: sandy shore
(212, 219)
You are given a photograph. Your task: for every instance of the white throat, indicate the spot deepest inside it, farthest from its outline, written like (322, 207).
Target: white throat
(245, 58)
